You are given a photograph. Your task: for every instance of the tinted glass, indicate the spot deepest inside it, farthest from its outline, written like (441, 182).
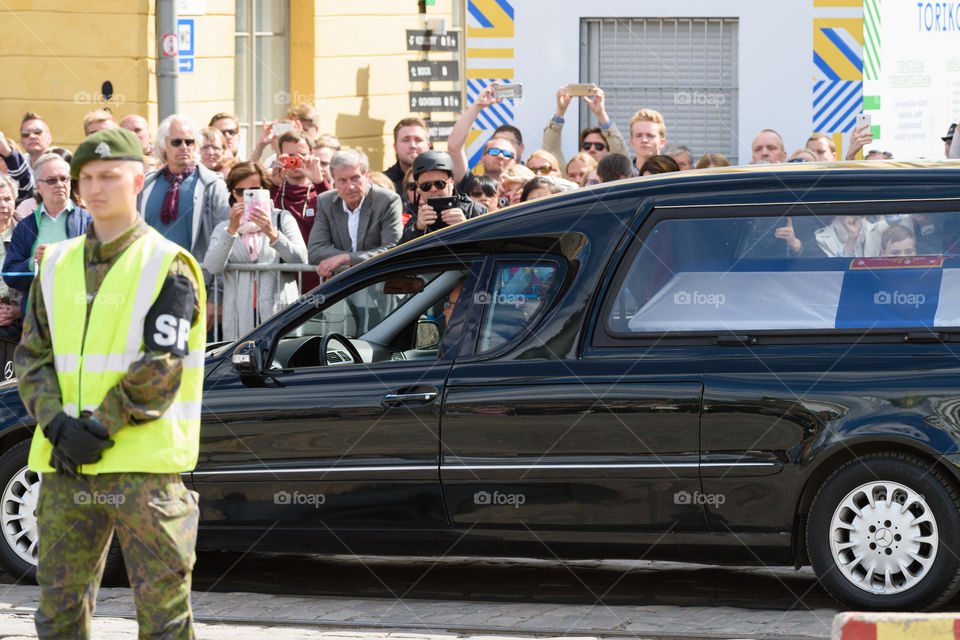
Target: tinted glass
(519, 292)
(797, 272)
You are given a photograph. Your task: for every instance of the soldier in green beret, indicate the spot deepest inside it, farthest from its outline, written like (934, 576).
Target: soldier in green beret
(111, 367)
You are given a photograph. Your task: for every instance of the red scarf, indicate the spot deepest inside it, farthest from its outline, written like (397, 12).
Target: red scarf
(171, 201)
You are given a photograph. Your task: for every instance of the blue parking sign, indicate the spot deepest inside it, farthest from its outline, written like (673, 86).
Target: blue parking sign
(186, 35)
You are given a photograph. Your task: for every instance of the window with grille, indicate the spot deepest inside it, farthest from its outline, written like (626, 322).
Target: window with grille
(685, 68)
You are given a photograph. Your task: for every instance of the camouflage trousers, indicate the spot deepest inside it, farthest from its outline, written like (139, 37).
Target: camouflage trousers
(155, 517)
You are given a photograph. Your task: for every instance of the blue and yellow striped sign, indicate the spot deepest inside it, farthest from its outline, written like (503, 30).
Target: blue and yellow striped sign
(490, 57)
(837, 66)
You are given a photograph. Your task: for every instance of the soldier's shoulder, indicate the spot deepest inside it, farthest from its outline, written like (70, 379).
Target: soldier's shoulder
(184, 266)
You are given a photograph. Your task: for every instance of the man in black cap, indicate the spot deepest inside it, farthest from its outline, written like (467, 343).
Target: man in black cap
(433, 172)
(948, 139)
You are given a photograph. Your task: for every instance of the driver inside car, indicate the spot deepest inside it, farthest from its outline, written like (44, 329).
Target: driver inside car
(452, 298)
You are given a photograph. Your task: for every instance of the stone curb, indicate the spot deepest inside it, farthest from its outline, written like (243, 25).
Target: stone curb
(424, 618)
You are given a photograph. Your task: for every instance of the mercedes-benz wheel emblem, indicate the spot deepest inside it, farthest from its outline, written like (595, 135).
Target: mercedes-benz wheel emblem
(884, 538)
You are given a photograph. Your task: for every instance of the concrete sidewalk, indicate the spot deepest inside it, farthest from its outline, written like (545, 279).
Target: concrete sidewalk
(249, 615)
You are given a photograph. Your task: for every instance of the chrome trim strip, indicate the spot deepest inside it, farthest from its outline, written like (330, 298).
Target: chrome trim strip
(315, 470)
(740, 464)
(491, 467)
(611, 465)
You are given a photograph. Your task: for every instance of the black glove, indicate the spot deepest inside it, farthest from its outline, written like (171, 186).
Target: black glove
(63, 465)
(76, 441)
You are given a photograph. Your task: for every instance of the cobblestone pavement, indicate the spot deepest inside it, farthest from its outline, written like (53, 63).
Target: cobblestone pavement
(692, 601)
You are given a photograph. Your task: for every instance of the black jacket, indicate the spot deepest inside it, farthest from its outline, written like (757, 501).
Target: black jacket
(470, 209)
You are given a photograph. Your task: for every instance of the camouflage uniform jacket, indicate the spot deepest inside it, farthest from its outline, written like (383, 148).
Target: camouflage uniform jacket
(150, 384)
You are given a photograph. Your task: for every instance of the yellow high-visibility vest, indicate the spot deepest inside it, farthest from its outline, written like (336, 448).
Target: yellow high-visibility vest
(90, 358)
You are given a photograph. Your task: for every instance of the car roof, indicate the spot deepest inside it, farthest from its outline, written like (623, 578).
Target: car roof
(801, 182)
(946, 172)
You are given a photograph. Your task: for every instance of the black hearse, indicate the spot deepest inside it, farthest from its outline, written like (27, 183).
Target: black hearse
(754, 365)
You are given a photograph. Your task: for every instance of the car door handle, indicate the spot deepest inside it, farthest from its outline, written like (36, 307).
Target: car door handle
(402, 398)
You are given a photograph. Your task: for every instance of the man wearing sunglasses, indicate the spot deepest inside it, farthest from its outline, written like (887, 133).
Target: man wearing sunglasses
(227, 124)
(433, 174)
(57, 218)
(498, 153)
(184, 200)
(36, 139)
(597, 141)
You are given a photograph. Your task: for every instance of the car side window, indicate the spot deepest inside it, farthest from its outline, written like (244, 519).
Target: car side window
(792, 273)
(519, 291)
(395, 318)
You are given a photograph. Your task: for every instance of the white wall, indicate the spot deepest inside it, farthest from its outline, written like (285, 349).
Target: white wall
(775, 76)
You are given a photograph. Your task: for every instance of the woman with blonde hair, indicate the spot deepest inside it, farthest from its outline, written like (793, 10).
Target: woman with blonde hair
(381, 179)
(214, 154)
(544, 163)
(511, 183)
(580, 167)
(712, 160)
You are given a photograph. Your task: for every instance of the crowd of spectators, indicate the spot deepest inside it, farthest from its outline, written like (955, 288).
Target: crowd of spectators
(329, 210)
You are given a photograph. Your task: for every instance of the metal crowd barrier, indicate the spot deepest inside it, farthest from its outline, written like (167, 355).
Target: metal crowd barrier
(257, 269)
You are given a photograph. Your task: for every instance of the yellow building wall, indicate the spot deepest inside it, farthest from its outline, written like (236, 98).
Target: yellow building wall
(347, 58)
(209, 88)
(56, 54)
(358, 76)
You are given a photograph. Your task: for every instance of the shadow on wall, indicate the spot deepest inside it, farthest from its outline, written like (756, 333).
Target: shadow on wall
(364, 131)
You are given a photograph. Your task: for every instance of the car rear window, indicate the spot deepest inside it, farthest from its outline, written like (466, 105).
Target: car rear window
(740, 274)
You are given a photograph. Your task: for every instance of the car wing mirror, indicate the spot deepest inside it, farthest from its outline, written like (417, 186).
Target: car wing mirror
(428, 334)
(246, 359)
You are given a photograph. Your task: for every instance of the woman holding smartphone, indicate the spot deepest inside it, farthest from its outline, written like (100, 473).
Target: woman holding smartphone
(254, 234)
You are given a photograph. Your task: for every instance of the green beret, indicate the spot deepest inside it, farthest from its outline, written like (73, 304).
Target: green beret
(107, 144)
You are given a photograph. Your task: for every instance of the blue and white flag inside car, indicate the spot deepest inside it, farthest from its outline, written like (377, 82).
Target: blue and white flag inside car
(828, 293)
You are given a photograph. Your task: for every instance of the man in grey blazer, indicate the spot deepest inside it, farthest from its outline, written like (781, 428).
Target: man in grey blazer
(355, 221)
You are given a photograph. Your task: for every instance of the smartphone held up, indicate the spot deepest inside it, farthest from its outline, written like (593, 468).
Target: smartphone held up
(509, 92)
(581, 90)
(253, 198)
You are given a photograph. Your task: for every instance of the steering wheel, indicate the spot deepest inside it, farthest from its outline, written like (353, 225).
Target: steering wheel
(342, 339)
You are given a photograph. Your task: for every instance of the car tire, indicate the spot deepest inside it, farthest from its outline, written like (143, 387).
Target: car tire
(884, 534)
(19, 488)
(18, 500)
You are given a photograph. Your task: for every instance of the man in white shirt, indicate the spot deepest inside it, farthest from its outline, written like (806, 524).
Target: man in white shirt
(356, 220)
